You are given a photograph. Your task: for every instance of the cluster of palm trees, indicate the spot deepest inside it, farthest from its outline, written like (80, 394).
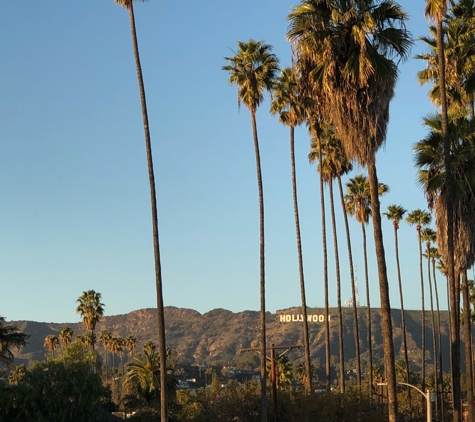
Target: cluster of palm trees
(116, 345)
(345, 67)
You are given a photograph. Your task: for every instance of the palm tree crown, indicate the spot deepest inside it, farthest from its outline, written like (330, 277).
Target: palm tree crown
(347, 49)
(253, 69)
(91, 310)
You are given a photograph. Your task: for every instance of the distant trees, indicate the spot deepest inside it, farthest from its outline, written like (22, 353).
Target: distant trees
(10, 338)
(59, 390)
(51, 343)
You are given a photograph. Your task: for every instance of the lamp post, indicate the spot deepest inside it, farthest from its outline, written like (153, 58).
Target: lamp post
(427, 396)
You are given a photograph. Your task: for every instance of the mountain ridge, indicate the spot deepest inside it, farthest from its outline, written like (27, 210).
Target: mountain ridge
(217, 336)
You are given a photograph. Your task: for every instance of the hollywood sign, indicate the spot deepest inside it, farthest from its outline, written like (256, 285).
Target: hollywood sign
(296, 318)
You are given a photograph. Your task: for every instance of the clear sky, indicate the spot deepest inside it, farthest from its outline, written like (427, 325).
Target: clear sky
(74, 194)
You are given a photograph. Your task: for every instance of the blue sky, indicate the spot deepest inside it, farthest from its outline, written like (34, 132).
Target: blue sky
(74, 195)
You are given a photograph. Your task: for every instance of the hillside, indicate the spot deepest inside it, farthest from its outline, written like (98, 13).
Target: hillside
(217, 336)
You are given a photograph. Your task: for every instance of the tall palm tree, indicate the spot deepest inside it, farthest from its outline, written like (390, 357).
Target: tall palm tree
(318, 130)
(66, 335)
(129, 5)
(429, 159)
(349, 51)
(436, 10)
(253, 69)
(428, 236)
(467, 334)
(434, 255)
(358, 204)
(332, 164)
(420, 218)
(91, 310)
(288, 104)
(51, 343)
(395, 213)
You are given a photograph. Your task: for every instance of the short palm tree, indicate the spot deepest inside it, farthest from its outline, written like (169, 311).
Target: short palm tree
(144, 372)
(91, 310)
(421, 218)
(66, 335)
(105, 337)
(149, 346)
(349, 50)
(289, 105)
(129, 5)
(253, 69)
(51, 343)
(358, 204)
(131, 344)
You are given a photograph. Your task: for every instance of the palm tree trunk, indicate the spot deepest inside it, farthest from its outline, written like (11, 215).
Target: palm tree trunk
(353, 287)
(403, 317)
(386, 323)
(156, 247)
(454, 311)
(434, 337)
(468, 345)
(308, 366)
(368, 311)
(439, 329)
(262, 271)
(338, 288)
(325, 274)
(423, 340)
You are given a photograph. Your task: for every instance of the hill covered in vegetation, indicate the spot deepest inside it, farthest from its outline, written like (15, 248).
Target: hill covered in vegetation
(218, 336)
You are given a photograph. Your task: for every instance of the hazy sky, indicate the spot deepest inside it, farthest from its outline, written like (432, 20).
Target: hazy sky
(74, 193)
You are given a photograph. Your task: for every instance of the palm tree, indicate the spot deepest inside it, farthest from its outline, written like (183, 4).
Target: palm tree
(91, 310)
(421, 218)
(145, 371)
(428, 236)
(395, 213)
(436, 10)
(149, 346)
(287, 103)
(429, 160)
(105, 337)
(253, 69)
(332, 164)
(434, 255)
(358, 204)
(128, 4)
(66, 335)
(348, 50)
(51, 343)
(116, 347)
(131, 344)
(319, 131)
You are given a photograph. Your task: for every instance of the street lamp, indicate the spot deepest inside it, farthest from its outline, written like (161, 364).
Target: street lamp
(428, 396)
